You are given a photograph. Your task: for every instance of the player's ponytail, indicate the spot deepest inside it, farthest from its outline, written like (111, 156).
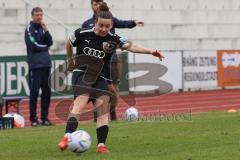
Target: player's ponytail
(104, 7)
(104, 11)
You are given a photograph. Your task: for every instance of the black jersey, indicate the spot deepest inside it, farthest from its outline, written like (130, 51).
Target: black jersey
(101, 48)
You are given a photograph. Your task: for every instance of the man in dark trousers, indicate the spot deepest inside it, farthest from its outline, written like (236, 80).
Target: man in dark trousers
(1, 106)
(38, 40)
(115, 68)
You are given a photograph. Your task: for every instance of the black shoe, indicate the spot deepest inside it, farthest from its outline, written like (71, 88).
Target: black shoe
(113, 115)
(35, 123)
(47, 123)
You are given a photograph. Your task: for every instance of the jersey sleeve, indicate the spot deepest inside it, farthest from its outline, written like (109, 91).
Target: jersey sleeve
(75, 37)
(120, 41)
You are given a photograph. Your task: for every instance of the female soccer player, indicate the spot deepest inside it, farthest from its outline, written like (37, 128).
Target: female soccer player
(95, 47)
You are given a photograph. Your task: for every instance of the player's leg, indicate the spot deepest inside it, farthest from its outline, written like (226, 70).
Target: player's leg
(114, 101)
(102, 96)
(78, 105)
(81, 95)
(102, 105)
(34, 86)
(95, 115)
(72, 123)
(116, 72)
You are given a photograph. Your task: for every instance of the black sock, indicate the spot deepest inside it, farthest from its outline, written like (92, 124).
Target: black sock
(72, 124)
(102, 133)
(113, 115)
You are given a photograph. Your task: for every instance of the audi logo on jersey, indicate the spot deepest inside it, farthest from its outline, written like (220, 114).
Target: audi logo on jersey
(94, 52)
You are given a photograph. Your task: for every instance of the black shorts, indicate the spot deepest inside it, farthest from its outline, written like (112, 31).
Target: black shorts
(95, 87)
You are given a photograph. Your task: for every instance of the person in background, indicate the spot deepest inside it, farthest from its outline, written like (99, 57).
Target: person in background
(38, 41)
(115, 66)
(1, 105)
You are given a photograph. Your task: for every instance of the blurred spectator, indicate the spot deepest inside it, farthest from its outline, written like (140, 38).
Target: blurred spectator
(38, 40)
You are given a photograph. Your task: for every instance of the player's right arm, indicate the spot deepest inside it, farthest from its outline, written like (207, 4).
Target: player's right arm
(70, 61)
(73, 41)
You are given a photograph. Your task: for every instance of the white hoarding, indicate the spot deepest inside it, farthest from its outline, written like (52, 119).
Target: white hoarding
(172, 62)
(199, 69)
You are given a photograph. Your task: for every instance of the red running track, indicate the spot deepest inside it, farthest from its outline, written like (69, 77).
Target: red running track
(173, 103)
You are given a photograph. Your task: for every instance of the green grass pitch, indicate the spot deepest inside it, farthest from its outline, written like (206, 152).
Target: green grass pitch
(207, 136)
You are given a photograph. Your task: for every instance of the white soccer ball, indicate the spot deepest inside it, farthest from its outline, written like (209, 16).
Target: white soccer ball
(79, 141)
(131, 114)
(19, 121)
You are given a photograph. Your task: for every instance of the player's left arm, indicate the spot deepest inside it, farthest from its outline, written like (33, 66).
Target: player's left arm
(135, 48)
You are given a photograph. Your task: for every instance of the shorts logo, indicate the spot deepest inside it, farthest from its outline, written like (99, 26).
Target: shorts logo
(94, 52)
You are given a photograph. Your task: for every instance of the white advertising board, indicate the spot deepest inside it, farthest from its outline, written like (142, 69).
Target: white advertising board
(199, 69)
(172, 62)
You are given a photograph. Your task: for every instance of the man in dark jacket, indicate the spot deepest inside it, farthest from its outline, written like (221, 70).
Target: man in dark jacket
(117, 23)
(38, 40)
(115, 68)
